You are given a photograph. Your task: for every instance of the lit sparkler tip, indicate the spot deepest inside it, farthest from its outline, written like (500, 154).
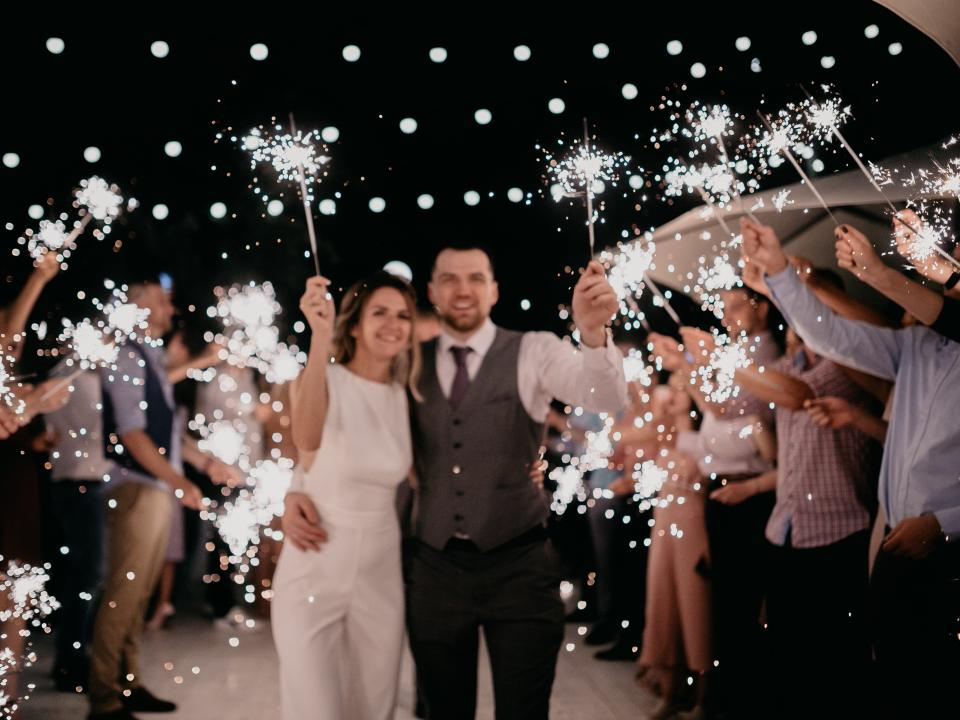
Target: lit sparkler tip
(101, 199)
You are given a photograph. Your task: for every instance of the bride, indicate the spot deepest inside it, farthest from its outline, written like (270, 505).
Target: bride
(338, 613)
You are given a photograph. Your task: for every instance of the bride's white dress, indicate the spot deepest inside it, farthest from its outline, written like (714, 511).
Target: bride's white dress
(338, 614)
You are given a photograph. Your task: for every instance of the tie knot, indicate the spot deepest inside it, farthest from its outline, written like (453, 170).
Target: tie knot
(460, 353)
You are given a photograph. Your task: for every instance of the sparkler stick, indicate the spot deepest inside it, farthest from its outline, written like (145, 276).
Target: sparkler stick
(632, 302)
(666, 303)
(588, 191)
(306, 204)
(705, 196)
(856, 158)
(726, 161)
(796, 166)
(62, 384)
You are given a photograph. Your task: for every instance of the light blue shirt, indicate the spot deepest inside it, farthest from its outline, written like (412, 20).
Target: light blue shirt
(127, 388)
(920, 473)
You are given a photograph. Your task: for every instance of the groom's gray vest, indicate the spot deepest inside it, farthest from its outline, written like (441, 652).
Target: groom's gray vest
(473, 462)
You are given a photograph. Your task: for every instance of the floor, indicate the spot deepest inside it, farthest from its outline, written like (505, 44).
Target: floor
(214, 671)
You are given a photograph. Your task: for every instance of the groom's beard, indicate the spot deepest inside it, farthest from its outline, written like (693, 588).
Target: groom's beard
(463, 323)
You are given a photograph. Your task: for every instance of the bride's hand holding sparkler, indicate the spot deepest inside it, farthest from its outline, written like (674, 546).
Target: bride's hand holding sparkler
(761, 245)
(317, 306)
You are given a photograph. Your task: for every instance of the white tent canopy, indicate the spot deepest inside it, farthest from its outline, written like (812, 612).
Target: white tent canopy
(939, 19)
(804, 227)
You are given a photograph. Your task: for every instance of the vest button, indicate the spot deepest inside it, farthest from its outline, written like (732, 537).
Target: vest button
(458, 517)
(459, 493)
(457, 446)
(456, 469)
(456, 421)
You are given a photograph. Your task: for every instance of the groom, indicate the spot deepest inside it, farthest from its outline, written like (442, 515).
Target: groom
(482, 558)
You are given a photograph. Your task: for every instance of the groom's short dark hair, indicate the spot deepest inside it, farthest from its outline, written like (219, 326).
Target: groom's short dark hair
(461, 245)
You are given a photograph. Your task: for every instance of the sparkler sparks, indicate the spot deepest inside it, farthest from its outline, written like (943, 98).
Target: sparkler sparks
(718, 376)
(91, 346)
(251, 338)
(781, 200)
(294, 156)
(824, 118)
(583, 171)
(101, 199)
(628, 266)
(648, 478)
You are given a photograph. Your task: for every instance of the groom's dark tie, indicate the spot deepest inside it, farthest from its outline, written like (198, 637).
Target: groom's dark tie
(461, 381)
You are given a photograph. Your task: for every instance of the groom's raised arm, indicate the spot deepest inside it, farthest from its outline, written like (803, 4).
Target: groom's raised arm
(592, 378)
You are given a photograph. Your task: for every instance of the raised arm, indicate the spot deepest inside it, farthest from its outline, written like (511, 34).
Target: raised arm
(592, 377)
(856, 254)
(13, 319)
(865, 347)
(310, 396)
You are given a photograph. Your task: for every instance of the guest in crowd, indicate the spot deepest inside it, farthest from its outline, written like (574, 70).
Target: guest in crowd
(914, 603)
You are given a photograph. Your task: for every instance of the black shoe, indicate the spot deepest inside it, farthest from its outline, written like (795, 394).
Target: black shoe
(620, 651)
(142, 700)
(121, 714)
(602, 633)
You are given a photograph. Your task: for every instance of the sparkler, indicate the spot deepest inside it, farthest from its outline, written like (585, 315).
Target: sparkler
(25, 588)
(251, 338)
(648, 478)
(628, 274)
(778, 141)
(97, 343)
(714, 124)
(583, 173)
(826, 118)
(295, 158)
(718, 375)
(101, 199)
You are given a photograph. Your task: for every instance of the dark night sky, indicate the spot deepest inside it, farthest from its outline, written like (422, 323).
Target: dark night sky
(113, 94)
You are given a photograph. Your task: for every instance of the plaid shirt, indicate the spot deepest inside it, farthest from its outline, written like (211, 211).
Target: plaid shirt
(821, 473)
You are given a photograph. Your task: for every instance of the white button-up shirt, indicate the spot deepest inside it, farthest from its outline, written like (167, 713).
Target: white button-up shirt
(548, 368)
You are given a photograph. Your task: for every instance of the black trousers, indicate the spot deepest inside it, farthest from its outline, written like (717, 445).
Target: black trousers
(818, 628)
(915, 615)
(513, 594)
(737, 572)
(79, 507)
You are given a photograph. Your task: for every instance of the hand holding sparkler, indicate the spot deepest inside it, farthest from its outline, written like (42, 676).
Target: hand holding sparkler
(699, 344)
(668, 349)
(317, 306)
(918, 247)
(8, 423)
(47, 267)
(48, 396)
(594, 304)
(762, 246)
(187, 493)
(855, 253)
(804, 268)
(752, 276)
(222, 474)
(830, 412)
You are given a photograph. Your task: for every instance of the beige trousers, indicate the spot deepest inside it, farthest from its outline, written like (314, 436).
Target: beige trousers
(138, 525)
